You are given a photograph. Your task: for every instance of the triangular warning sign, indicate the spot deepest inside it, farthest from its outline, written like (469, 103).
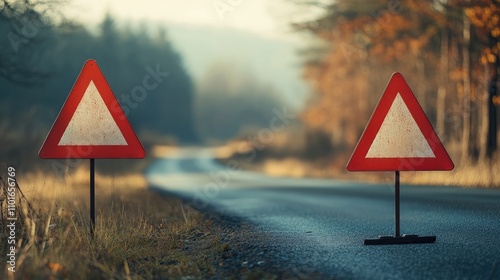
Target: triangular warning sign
(91, 123)
(399, 137)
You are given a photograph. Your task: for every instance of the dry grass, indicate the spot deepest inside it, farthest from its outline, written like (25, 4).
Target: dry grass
(464, 175)
(139, 235)
(302, 153)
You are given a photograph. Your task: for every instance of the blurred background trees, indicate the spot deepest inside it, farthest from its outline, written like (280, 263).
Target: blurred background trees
(40, 61)
(231, 101)
(448, 50)
(43, 52)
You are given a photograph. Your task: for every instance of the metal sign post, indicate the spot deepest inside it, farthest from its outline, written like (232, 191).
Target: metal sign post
(397, 238)
(92, 197)
(396, 204)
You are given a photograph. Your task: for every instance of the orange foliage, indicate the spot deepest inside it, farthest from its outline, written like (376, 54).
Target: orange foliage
(485, 15)
(365, 47)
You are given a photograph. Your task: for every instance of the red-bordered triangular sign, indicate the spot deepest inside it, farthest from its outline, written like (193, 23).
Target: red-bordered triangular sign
(91, 123)
(399, 137)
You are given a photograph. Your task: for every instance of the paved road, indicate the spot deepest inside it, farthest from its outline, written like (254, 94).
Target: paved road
(321, 224)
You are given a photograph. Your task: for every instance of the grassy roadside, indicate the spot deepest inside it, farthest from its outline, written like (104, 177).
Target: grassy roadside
(140, 235)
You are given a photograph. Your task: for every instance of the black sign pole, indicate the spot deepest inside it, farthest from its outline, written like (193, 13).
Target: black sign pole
(396, 204)
(92, 197)
(398, 238)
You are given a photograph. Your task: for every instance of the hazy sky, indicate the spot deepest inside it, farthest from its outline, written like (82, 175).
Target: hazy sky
(270, 53)
(264, 17)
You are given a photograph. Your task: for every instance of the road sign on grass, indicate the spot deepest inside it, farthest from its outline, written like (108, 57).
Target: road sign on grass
(91, 124)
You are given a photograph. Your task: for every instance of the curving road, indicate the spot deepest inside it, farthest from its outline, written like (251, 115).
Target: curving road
(319, 225)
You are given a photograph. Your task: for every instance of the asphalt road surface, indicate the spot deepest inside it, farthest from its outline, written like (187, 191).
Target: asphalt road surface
(321, 224)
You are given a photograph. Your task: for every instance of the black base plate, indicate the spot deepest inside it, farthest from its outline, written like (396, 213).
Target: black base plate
(403, 239)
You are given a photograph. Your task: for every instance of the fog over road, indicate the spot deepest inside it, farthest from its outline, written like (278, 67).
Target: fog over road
(321, 224)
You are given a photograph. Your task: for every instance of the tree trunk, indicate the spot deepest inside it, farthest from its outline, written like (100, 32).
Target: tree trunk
(466, 90)
(441, 98)
(492, 111)
(483, 96)
(421, 85)
(456, 125)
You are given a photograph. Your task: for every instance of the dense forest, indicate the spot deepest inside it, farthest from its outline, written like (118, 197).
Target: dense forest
(448, 50)
(40, 61)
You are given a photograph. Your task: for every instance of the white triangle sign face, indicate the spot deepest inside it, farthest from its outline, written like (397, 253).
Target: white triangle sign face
(399, 136)
(92, 123)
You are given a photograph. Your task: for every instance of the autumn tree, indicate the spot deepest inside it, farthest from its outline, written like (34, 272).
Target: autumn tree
(447, 50)
(364, 43)
(485, 16)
